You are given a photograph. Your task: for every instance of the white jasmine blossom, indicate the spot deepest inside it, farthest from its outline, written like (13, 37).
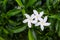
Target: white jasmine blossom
(38, 16)
(36, 19)
(42, 23)
(29, 20)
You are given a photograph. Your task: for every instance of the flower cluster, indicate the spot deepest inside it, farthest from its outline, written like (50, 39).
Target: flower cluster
(36, 18)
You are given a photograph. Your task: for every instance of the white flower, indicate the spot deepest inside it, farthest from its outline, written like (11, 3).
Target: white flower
(29, 20)
(42, 23)
(36, 19)
(38, 16)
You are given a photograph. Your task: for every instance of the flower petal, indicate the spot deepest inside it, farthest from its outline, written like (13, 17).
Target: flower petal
(41, 13)
(37, 24)
(26, 20)
(29, 24)
(27, 16)
(45, 18)
(35, 12)
(32, 16)
(47, 24)
(42, 27)
(34, 22)
(40, 19)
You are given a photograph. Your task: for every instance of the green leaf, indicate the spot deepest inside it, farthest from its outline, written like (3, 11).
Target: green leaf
(55, 17)
(1, 38)
(4, 4)
(59, 33)
(52, 23)
(55, 3)
(58, 28)
(18, 29)
(30, 35)
(19, 3)
(48, 4)
(34, 35)
(5, 31)
(12, 12)
(31, 2)
(12, 22)
(23, 11)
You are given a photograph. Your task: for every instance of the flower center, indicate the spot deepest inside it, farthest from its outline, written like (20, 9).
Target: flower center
(30, 19)
(42, 23)
(36, 16)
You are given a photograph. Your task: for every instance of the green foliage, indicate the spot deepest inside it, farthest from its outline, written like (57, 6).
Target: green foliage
(31, 2)
(19, 3)
(12, 12)
(18, 30)
(11, 20)
(30, 35)
(1, 38)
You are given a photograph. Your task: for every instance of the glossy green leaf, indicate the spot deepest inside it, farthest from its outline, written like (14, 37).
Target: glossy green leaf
(52, 22)
(58, 28)
(23, 11)
(55, 17)
(34, 35)
(18, 29)
(48, 4)
(5, 31)
(12, 22)
(30, 35)
(1, 38)
(13, 12)
(31, 2)
(19, 3)
(4, 4)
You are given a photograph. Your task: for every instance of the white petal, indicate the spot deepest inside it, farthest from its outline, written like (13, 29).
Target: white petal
(27, 16)
(45, 18)
(26, 20)
(36, 18)
(29, 24)
(47, 24)
(42, 27)
(34, 22)
(32, 16)
(37, 24)
(40, 19)
(35, 12)
(41, 13)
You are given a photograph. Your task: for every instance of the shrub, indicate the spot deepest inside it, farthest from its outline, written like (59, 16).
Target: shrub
(12, 16)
